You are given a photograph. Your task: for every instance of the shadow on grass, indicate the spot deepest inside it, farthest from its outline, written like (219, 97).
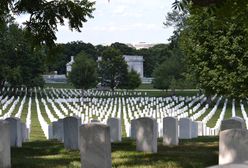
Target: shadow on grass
(196, 153)
(44, 154)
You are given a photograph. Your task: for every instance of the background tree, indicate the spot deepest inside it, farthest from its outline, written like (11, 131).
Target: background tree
(83, 74)
(64, 53)
(166, 73)
(44, 16)
(123, 48)
(133, 80)
(113, 68)
(21, 64)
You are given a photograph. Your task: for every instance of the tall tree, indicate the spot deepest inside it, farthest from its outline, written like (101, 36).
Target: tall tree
(112, 68)
(65, 51)
(124, 49)
(217, 53)
(83, 74)
(133, 80)
(20, 64)
(167, 72)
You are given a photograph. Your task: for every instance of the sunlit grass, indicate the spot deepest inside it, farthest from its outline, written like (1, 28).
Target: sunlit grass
(200, 152)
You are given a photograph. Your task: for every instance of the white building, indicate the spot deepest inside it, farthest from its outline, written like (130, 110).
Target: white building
(69, 65)
(135, 62)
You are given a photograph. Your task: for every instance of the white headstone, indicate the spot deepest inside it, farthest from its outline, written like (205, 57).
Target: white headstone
(5, 159)
(115, 129)
(170, 131)
(200, 128)
(24, 133)
(95, 146)
(15, 131)
(146, 135)
(133, 129)
(233, 146)
(71, 131)
(58, 130)
(185, 125)
(194, 129)
(232, 123)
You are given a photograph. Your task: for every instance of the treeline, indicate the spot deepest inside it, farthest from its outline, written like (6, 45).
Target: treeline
(155, 58)
(23, 64)
(152, 56)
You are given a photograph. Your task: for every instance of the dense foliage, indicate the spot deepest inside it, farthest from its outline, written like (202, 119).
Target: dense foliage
(169, 72)
(83, 74)
(217, 52)
(112, 68)
(133, 80)
(44, 16)
(20, 63)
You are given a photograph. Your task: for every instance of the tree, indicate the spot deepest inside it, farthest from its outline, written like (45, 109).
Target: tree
(113, 68)
(217, 53)
(44, 16)
(133, 80)
(167, 72)
(64, 53)
(154, 56)
(83, 74)
(176, 19)
(223, 9)
(124, 49)
(20, 64)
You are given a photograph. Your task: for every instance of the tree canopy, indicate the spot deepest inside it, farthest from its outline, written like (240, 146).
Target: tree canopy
(44, 16)
(20, 63)
(133, 80)
(83, 74)
(168, 71)
(113, 68)
(217, 53)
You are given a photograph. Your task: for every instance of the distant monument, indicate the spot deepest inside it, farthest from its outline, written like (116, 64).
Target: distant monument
(69, 65)
(135, 62)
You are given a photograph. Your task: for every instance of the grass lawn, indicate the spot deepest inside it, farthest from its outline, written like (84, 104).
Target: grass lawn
(60, 85)
(200, 152)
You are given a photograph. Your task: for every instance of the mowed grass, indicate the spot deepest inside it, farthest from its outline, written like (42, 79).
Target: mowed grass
(200, 152)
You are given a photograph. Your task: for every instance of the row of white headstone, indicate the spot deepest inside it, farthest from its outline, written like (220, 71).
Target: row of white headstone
(107, 112)
(135, 107)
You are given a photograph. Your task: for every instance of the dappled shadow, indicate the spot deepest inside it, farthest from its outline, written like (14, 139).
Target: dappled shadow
(200, 152)
(43, 154)
(197, 153)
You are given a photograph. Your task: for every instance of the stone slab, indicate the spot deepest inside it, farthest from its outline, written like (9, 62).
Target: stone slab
(95, 146)
(170, 131)
(5, 155)
(233, 146)
(146, 135)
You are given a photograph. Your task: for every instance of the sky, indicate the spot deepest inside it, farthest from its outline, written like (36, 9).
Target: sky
(125, 21)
